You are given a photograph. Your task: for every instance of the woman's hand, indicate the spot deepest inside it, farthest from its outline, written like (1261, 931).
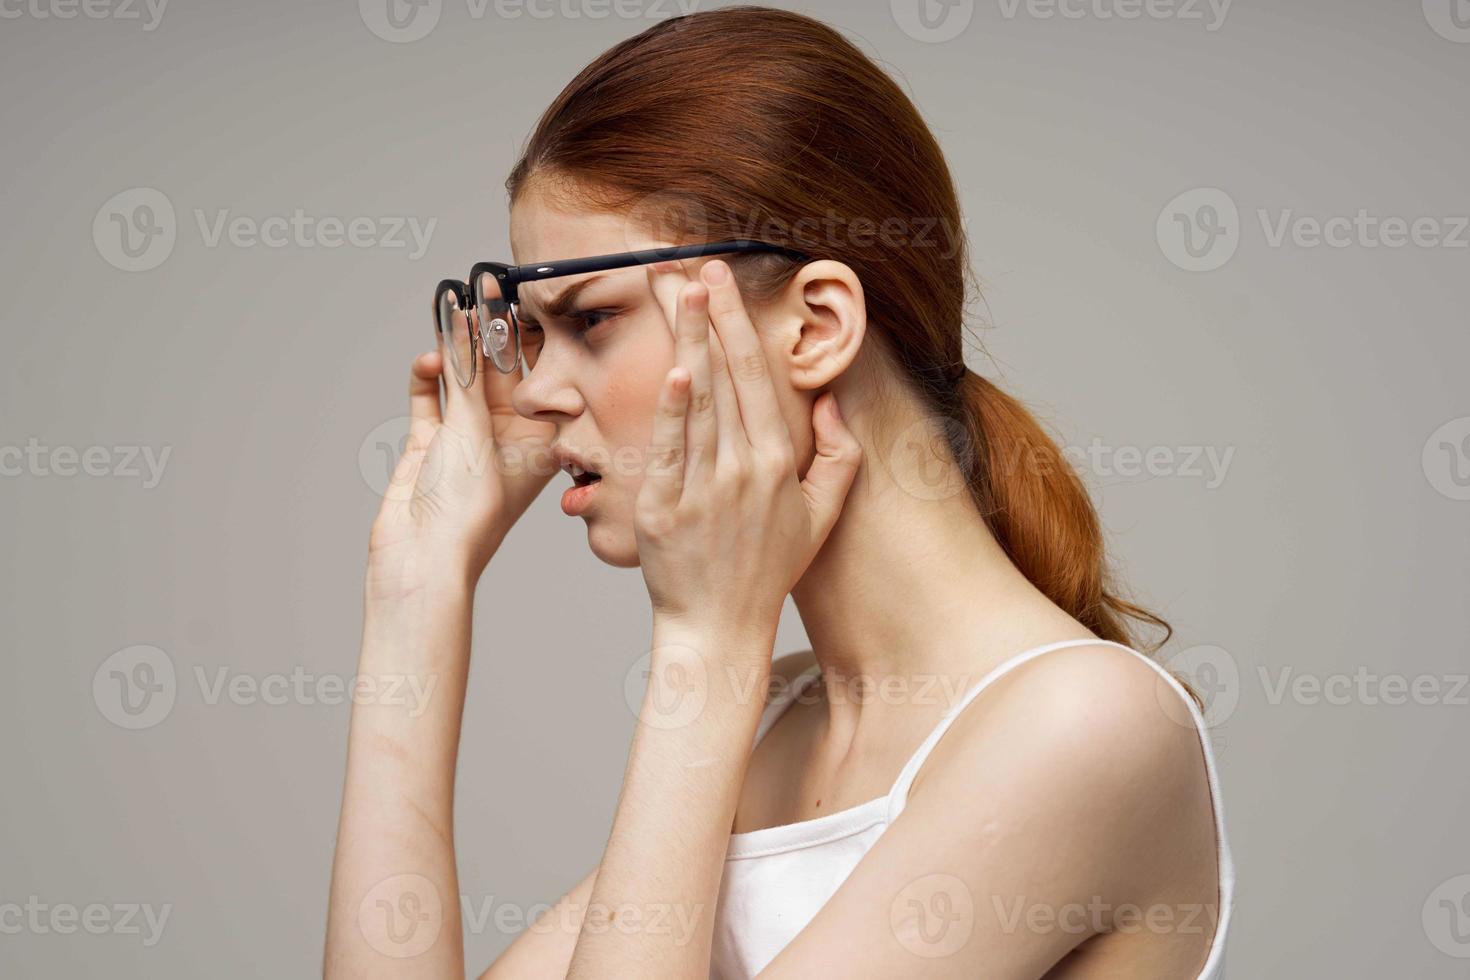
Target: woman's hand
(725, 528)
(466, 475)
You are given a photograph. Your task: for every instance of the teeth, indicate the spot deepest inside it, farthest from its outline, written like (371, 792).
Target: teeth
(575, 470)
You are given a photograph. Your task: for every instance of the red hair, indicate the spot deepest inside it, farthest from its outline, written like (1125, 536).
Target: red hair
(752, 122)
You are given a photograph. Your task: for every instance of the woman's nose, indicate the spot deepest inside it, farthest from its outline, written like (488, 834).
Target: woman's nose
(546, 393)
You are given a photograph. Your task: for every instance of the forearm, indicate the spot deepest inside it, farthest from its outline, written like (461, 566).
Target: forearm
(394, 905)
(652, 908)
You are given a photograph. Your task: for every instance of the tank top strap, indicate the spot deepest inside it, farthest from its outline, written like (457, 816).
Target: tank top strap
(898, 795)
(781, 699)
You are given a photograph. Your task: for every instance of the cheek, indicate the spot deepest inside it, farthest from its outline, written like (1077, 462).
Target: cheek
(628, 403)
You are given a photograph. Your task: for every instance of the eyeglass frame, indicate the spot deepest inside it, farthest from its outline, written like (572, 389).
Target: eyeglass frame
(510, 277)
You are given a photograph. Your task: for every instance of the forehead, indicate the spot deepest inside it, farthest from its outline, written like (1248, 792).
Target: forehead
(545, 226)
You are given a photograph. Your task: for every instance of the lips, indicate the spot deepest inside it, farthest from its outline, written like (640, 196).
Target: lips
(575, 465)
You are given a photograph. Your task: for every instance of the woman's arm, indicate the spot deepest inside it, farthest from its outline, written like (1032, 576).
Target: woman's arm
(395, 894)
(654, 899)
(394, 905)
(543, 950)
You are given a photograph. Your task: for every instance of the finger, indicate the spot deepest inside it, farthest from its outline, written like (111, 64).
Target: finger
(464, 405)
(833, 469)
(731, 439)
(663, 478)
(749, 371)
(424, 413)
(692, 337)
(498, 385)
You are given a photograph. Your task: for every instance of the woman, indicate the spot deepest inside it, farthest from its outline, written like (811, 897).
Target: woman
(972, 772)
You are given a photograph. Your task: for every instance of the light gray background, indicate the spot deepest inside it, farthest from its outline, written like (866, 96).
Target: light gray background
(1334, 541)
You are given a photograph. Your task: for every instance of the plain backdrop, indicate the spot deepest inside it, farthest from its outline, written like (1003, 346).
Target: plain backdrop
(1276, 427)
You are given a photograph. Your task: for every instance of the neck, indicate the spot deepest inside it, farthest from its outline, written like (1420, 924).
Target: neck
(911, 586)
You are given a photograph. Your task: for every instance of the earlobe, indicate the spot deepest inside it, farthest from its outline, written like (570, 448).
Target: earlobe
(829, 318)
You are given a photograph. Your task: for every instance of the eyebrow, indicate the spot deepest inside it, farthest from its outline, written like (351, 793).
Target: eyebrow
(563, 301)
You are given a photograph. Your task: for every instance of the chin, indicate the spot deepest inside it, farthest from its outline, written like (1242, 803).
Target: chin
(613, 544)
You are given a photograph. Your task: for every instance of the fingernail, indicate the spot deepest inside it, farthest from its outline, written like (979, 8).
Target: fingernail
(716, 272)
(836, 409)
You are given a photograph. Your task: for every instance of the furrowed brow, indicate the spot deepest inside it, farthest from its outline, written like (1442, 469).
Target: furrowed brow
(567, 298)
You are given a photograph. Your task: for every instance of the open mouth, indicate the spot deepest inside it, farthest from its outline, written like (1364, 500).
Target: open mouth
(583, 477)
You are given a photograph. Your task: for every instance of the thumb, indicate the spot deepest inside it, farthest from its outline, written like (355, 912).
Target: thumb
(833, 469)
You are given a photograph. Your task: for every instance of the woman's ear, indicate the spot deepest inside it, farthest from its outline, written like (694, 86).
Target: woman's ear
(823, 317)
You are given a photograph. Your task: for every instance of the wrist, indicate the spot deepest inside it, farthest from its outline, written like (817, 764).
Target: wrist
(712, 633)
(413, 575)
(729, 662)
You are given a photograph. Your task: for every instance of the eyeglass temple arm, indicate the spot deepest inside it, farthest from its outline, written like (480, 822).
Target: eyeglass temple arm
(618, 260)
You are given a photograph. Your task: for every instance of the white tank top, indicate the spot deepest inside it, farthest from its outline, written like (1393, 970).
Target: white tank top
(777, 878)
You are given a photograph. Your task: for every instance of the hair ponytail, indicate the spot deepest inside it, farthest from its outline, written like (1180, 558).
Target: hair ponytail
(1039, 511)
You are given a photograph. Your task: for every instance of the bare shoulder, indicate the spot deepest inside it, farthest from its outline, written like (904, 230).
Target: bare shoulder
(1090, 729)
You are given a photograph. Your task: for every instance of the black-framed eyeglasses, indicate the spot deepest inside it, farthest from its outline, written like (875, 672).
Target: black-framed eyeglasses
(479, 317)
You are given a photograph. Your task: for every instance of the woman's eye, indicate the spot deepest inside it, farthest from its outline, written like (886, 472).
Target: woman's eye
(587, 319)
